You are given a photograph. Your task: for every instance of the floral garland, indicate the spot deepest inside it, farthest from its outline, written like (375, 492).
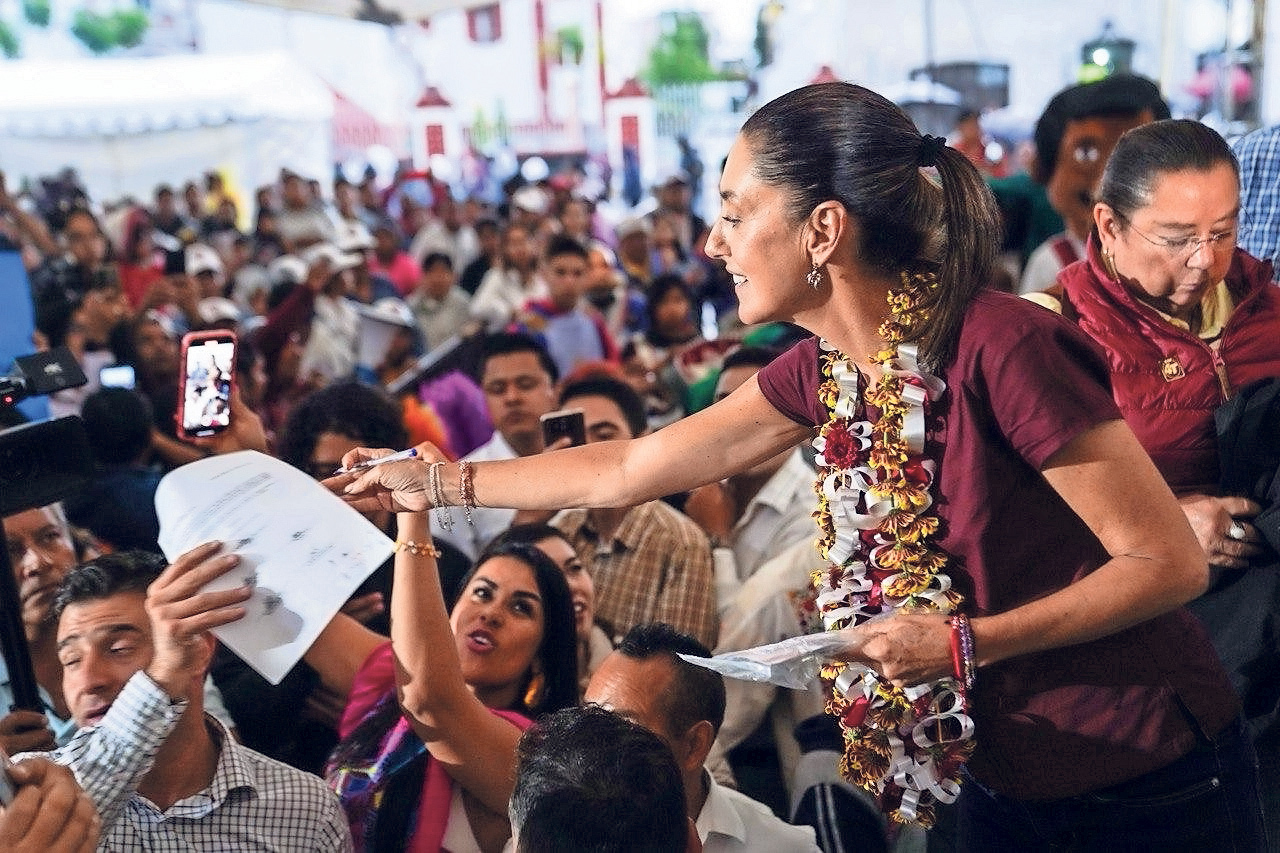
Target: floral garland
(905, 746)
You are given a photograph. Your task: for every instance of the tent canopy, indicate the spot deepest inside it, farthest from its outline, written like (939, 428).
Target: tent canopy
(407, 10)
(120, 97)
(126, 125)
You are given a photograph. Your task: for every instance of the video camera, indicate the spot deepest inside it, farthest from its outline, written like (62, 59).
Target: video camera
(40, 463)
(41, 373)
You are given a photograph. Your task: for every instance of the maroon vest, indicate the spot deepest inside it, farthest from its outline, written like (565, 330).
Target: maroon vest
(1166, 381)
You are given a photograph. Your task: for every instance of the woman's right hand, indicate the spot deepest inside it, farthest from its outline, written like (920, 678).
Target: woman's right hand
(394, 487)
(1224, 528)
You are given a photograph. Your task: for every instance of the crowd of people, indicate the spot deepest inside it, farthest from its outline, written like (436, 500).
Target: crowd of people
(1013, 504)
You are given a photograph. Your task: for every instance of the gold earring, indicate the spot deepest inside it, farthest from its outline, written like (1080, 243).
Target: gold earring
(1109, 263)
(533, 694)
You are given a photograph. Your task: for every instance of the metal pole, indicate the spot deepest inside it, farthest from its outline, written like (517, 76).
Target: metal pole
(928, 40)
(1258, 55)
(13, 639)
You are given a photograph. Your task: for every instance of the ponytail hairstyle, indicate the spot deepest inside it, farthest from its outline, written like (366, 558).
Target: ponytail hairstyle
(843, 142)
(1146, 152)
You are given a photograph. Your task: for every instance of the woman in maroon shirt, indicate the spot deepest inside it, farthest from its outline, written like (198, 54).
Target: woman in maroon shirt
(982, 503)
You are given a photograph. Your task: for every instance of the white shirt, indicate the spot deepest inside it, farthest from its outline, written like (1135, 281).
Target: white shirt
(501, 294)
(778, 516)
(766, 610)
(489, 521)
(731, 821)
(1041, 271)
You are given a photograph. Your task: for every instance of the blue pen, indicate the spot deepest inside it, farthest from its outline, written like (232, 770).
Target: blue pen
(394, 457)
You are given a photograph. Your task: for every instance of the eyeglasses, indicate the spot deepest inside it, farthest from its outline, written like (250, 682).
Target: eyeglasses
(1185, 247)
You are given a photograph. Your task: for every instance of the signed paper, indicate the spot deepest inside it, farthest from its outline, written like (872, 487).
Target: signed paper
(303, 549)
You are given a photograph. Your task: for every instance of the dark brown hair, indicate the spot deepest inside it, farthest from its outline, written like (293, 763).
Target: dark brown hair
(843, 142)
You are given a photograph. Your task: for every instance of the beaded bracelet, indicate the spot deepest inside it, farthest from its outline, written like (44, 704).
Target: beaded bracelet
(963, 653)
(419, 549)
(467, 489)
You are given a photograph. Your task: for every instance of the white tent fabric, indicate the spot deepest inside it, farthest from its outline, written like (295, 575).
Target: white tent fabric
(409, 10)
(127, 124)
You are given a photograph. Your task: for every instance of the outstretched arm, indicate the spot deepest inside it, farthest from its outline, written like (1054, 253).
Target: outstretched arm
(477, 748)
(1156, 565)
(739, 431)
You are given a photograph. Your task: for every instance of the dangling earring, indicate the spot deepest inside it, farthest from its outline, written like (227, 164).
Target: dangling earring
(814, 278)
(533, 694)
(1109, 263)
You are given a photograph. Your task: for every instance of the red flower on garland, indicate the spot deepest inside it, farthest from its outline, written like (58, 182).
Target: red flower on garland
(841, 449)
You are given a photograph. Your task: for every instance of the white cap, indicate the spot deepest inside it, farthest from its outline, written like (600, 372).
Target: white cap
(217, 309)
(353, 237)
(338, 259)
(531, 199)
(389, 310)
(202, 258)
(287, 268)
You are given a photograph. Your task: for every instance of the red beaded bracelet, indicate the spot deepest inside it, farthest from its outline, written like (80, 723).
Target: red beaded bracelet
(963, 654)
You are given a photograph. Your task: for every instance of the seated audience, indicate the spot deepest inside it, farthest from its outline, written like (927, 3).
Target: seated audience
(518, 378)
(118, 504)
(645, 680)
(650, 563)
(43, 549)
(753, 515)
(591, 780)
(510, 283)
(572, 331)
(133, 640)
(440, 307)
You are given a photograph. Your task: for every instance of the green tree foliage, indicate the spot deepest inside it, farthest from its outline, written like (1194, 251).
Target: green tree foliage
(9, 44)
(101, 33)
(36, 12)
(680, 53)
(131, 26)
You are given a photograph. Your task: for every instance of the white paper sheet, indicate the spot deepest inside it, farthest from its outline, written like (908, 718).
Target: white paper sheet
(304, 550)
(790, 663)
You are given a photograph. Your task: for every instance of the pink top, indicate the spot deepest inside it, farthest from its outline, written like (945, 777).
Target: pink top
(376, 680)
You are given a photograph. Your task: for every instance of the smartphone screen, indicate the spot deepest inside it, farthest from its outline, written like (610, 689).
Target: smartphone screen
(116, 376)
(565, 422)
(208, 363)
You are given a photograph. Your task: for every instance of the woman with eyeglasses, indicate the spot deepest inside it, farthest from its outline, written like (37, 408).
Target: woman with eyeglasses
(1186, 319)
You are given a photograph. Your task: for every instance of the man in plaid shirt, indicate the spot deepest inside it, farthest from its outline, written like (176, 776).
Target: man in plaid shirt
(134, 645)
(1259, 156)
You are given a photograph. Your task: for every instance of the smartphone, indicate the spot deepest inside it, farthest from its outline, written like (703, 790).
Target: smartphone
(204, 383)
(7, 789)
(117, 376)
(558, 424)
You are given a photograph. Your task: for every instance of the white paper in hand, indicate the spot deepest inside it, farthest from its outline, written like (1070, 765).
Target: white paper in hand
(792, 663)
(303, 549)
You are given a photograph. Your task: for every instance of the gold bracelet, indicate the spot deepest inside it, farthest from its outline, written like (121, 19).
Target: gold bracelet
(419, 549)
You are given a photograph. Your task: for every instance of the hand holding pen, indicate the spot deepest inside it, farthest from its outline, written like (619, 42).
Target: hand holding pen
(379, 480)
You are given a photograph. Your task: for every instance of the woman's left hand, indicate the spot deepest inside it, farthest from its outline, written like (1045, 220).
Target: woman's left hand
(906, 649)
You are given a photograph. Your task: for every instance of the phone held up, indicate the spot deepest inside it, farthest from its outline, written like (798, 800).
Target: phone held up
(565, 422)
(204, 383)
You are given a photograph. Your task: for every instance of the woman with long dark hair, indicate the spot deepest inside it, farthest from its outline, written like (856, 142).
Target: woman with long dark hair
(427, 755)
(1007, 566)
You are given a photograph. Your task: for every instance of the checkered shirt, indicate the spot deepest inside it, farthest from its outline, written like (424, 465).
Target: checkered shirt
(1259, 155)
(657, 568)
(253, 803)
